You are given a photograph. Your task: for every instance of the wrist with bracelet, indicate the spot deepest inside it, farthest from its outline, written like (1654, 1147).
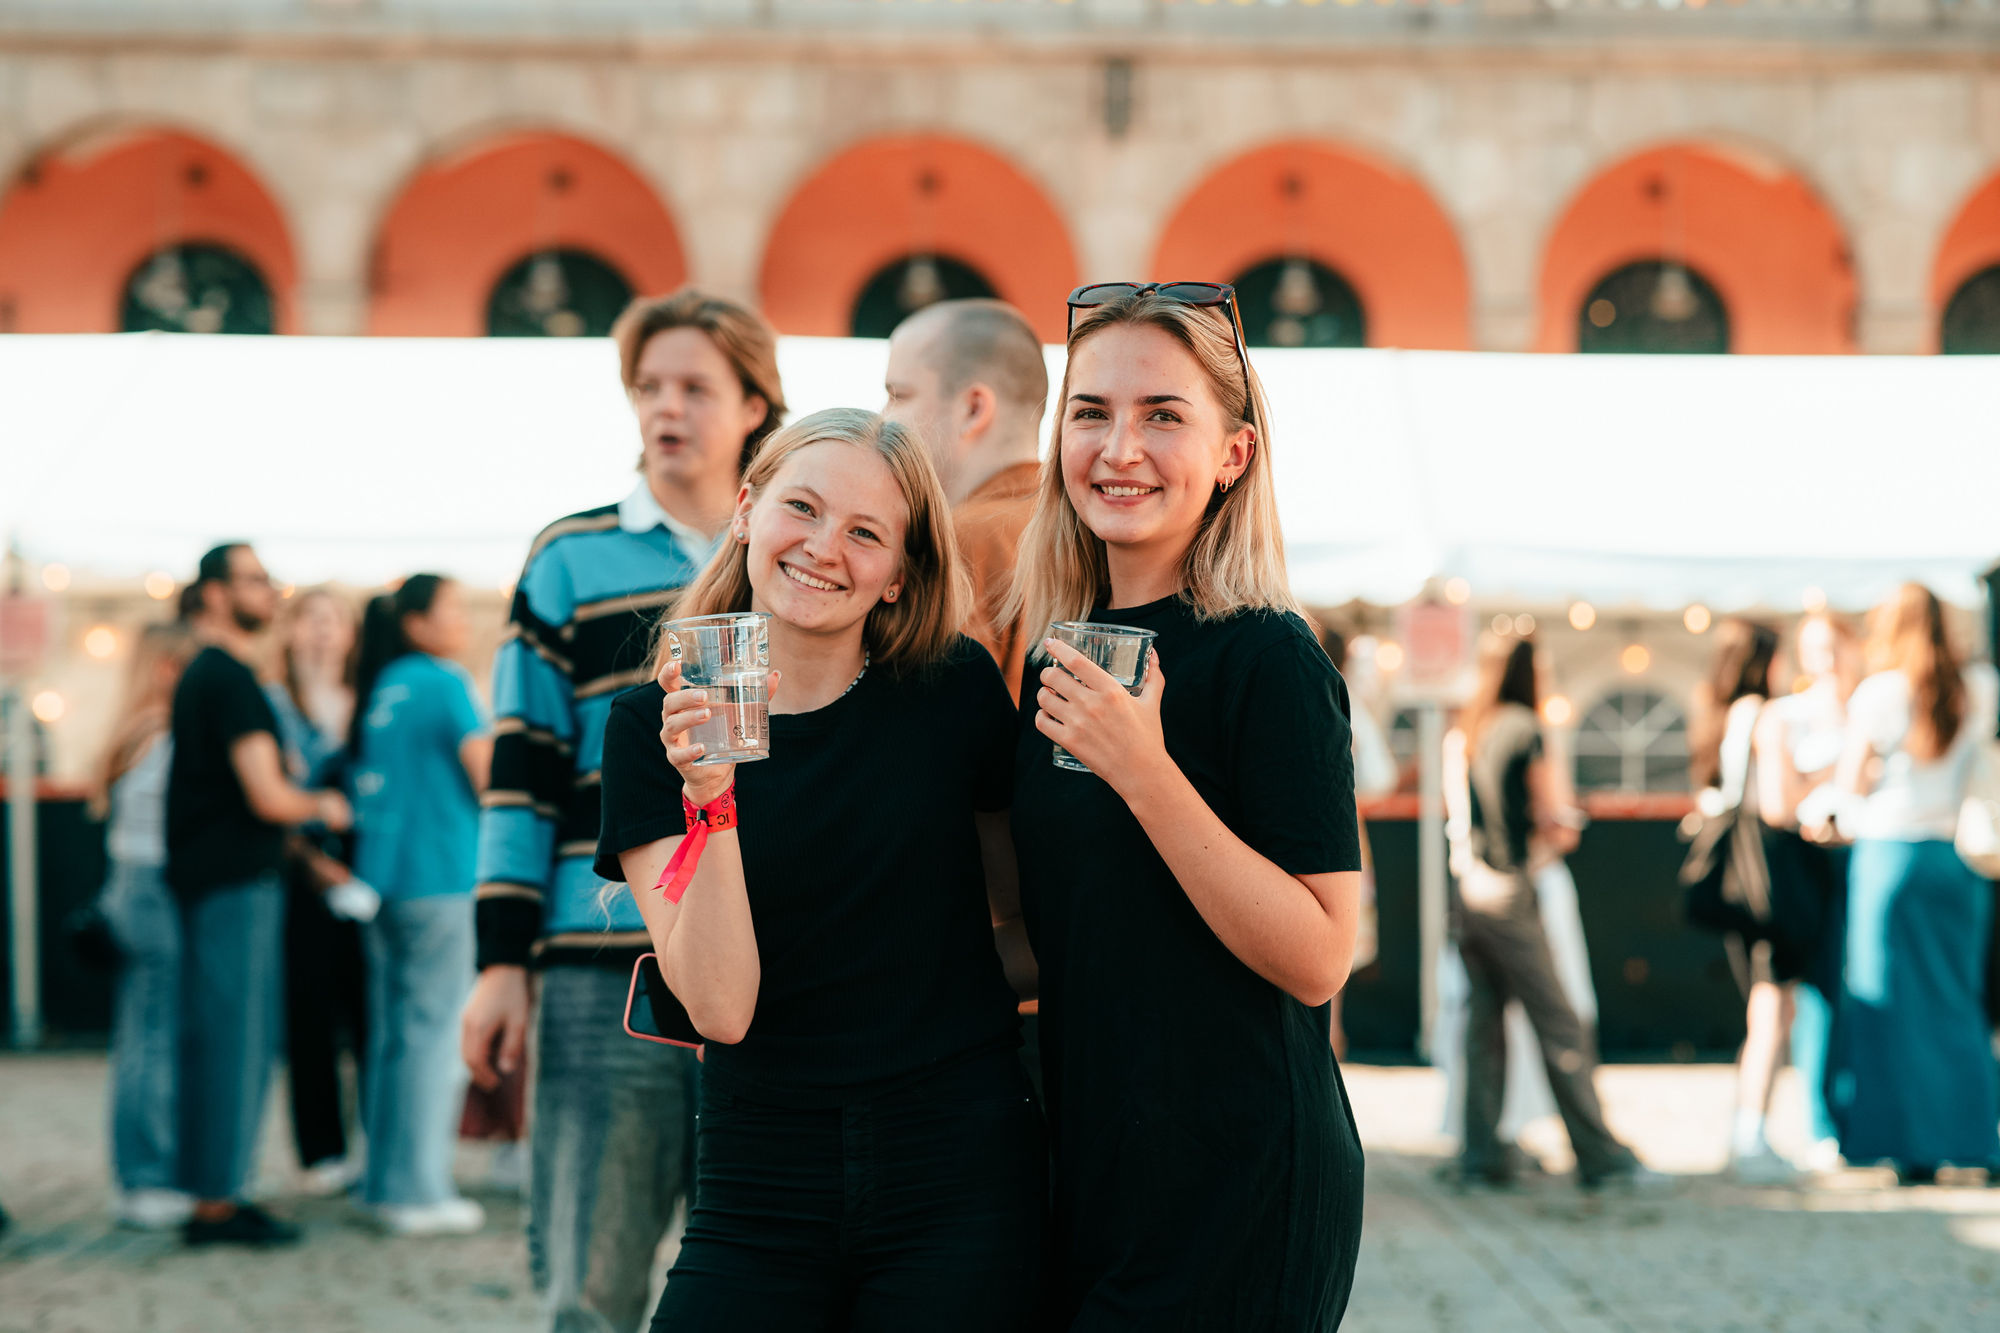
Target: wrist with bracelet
(712, 816)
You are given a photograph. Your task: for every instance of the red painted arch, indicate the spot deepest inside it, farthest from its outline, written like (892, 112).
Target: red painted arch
(1757, 230)
(465, 218)
(1971, 245)
(80, 218)
(1373, 223)
(886, 199)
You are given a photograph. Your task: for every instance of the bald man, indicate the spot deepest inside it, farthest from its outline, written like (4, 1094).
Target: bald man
(969, 379)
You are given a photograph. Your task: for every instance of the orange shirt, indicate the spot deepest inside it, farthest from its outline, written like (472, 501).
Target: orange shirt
(989, 523)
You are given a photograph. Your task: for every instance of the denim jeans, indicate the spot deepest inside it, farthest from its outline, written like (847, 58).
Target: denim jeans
(419, 972)
(611, 1151)
(232, 1014)
(145, 1028)
(922, 1208)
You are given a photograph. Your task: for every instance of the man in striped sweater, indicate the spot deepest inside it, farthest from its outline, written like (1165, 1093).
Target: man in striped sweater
(612, 1143)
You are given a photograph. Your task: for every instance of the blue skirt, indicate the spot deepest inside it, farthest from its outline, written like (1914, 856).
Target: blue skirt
(1920, 1086)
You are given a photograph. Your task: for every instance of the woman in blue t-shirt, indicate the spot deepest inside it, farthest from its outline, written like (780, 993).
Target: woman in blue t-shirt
(422, 751)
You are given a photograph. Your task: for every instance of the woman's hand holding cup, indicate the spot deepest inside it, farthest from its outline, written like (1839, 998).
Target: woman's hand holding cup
(683, 708)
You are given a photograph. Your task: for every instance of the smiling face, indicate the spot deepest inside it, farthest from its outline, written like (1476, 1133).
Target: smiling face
(825, 537)
(1145, 442)
(693, 413)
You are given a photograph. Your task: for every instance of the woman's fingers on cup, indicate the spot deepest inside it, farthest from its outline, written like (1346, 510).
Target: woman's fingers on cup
(683, 756)
(1079, 665)
(669, 675)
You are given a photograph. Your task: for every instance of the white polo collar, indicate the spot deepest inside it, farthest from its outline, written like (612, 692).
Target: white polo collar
(641, 512)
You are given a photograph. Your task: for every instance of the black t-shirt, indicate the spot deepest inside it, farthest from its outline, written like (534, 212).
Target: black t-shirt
(861, 859)
(213, 838)
(1206, 1170)
(1502, 812)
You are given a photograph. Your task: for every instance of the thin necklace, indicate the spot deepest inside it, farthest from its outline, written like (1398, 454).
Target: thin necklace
(857, 676)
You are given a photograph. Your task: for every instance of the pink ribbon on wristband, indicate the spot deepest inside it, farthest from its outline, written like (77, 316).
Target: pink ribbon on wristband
(714, 817)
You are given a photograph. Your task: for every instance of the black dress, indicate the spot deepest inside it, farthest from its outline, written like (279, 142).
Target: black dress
(1207, 1174)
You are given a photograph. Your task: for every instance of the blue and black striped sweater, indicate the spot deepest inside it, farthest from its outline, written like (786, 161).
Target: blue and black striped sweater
(580, 632)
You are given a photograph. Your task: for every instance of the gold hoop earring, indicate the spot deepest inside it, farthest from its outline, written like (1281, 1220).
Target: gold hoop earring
(1227, 482)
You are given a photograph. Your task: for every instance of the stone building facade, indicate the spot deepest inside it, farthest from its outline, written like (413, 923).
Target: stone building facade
(1831, 170)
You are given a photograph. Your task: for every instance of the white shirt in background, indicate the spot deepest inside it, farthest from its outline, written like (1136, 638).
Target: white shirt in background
(1915, 800)
(136, 834)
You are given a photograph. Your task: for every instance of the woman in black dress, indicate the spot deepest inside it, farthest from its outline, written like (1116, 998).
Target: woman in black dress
(1192, 900)
(868, 1155)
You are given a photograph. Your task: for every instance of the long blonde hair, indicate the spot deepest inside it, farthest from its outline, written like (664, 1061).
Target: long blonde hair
(1237, 557)
(144, 712)
(913, 631)
(1907, 634)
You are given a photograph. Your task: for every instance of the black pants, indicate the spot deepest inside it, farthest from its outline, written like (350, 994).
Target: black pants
(325, 1009)
(921, 1209)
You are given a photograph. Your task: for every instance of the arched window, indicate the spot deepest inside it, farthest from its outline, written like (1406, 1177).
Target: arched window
(557, 294)
(1299, 303)
(1972, 316)
(1653, 307)
(196, 288)
(899, 290)
(1632, 740)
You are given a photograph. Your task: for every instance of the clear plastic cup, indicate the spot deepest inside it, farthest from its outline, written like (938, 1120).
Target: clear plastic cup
(1120, 649)
(729, 656)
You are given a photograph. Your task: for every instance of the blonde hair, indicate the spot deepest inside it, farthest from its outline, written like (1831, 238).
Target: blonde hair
(144, 712)
(745, 339)
(913, 631)
(1907, 633)
(1237, 557)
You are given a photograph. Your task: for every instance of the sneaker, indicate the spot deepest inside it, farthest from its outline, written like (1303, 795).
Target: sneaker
(507, 1169)
(1634, 1182)
(1824, 1158)
(334, 1175)
(452, 1217)
(152, 1210)
(1763, 1167)
(247, 1225)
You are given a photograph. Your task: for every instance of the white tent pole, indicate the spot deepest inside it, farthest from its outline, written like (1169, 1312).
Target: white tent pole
(1430, 867)
(23, 922)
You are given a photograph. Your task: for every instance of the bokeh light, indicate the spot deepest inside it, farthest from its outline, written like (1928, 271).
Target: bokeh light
(49, 706)
(1388, 656)
(1635, 659)
(159, 586)
(1582, 615)
(1557, 710)
(1697, 619)
(101, 642)
(55, 577)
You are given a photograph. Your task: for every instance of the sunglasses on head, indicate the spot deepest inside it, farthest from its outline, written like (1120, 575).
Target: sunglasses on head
(1182, 293)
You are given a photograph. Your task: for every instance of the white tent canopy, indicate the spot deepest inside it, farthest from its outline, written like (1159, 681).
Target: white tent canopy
(1645, 481)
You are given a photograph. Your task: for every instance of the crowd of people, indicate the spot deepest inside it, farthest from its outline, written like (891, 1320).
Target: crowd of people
(987, 1042)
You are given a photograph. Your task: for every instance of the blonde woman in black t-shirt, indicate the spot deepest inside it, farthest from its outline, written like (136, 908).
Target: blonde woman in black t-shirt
(1193, 898)
(869, 1157)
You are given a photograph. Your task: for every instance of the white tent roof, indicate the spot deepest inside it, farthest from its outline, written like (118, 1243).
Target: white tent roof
(1736, 481)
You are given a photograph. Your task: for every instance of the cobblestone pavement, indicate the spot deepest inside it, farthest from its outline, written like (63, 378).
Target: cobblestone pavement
(1850, 1252)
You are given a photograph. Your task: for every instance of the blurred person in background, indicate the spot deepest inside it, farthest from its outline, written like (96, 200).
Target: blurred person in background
(968, 377)
(1518, 810)
(229, 804)
(611, 1142)
(326, 1007)
(1374, 775)
(129, 791)
(1919, 1088)
(1736, 746)
(422, 752)
(1798, 742)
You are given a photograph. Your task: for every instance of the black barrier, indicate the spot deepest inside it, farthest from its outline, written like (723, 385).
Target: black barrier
(76, 1002)
(1663, 992)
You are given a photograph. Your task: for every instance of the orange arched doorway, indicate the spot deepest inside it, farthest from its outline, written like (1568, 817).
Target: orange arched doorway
(469, 218)
(79, 220)
(1751, 228)
(1373, 224)
(1970, 248)
(892, 199)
